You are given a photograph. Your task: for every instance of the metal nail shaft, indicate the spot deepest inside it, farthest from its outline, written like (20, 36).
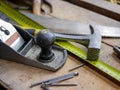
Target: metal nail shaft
(77, 67)
(63, 84)
(57, 79)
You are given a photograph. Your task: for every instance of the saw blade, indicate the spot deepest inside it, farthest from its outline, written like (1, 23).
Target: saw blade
(71, 27)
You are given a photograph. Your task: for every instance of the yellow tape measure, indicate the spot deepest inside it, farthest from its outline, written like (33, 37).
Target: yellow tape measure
(114, 73)
(109, 71)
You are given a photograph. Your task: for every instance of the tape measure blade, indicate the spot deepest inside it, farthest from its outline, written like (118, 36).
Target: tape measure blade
(99, 64)
(113, 72)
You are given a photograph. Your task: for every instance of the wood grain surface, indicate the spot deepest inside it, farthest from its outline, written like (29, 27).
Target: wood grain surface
(102, 7)
(16, 76)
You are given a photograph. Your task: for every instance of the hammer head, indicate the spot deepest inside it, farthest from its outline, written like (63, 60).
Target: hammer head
(94, 44)
(92, 41)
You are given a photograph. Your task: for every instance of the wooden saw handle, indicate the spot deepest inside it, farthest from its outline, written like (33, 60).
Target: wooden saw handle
(37, 7)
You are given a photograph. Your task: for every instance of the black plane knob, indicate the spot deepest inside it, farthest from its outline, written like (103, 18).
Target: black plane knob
(45, 39)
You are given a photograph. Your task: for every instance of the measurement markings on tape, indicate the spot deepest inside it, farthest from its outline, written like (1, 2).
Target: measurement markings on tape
(113, 72)
(26, 22)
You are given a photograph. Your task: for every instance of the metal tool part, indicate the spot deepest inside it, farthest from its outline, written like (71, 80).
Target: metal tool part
(51, 58)
(93, 42)
(77, 67)
(117, 50)
(44, 86)
(67, 84)
(28, 54)
(46, 7)
(66, 26)
(57, 79)
(4, 30)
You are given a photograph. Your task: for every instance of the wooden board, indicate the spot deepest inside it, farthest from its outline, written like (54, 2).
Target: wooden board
(102, 7)
(69, 11)
(19, 77)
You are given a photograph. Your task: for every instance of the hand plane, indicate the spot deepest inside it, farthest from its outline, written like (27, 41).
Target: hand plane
(18, 45)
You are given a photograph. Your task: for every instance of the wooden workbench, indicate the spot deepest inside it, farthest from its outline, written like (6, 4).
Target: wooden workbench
(16, 76)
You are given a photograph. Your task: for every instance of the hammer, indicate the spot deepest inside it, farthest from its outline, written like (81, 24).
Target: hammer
(92, 41)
